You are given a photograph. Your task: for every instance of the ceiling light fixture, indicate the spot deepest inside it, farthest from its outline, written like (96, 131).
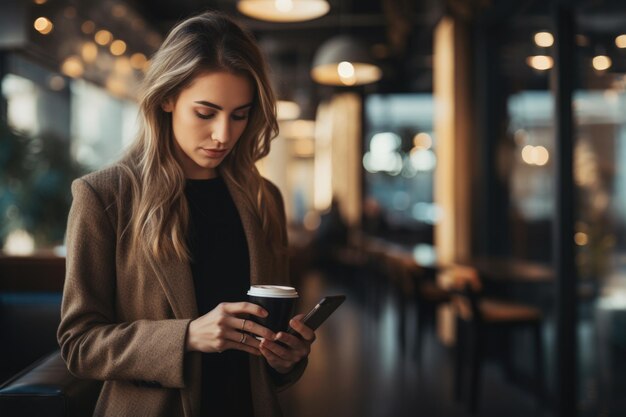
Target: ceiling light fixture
(283, 10)
(343, 61)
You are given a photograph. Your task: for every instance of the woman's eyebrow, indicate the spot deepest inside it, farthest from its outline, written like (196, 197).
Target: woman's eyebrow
(215, 106)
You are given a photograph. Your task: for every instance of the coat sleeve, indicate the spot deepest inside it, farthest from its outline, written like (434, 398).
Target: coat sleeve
(93, 342)
(284, 381)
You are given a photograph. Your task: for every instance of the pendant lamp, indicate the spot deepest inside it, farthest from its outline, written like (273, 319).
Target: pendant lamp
(344, 61)
(283, 10)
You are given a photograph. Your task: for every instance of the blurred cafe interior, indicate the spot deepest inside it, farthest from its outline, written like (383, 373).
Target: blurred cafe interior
(452, 166)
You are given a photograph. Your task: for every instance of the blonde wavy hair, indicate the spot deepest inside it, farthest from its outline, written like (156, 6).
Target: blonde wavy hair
(159, 215)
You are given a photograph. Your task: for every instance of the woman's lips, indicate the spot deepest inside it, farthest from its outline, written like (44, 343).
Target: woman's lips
(214, 153)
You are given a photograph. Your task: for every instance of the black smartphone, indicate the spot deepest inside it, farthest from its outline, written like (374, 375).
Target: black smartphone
(320, 312)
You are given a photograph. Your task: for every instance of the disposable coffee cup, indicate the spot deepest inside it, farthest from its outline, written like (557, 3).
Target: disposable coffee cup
(278, 301)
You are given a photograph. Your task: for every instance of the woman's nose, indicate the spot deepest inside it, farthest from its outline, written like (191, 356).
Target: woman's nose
(221, 131)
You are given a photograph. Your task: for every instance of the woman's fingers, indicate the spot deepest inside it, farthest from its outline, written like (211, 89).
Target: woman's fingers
(220, 329)
(233, 339)
(306, 332)
(275, 361)
(250, 326)
(243, 308)
(282, 352)
(246, 345)
(290, 340)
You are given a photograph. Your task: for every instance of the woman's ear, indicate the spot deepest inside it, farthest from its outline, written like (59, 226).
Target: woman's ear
(167, 106)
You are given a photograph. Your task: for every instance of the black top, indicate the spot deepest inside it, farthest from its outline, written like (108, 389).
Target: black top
(221, 273)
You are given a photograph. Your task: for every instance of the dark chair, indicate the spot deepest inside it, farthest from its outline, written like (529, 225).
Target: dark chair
(412, 283)
(428, 297)
(477, 318)
(397, 272)
(47, 388)
(34, 380)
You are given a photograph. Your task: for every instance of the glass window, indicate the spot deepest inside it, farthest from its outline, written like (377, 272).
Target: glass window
(525, 159)
(399, 160)
(56, 130)
(101, 125)
(599, 174)
(531, 180)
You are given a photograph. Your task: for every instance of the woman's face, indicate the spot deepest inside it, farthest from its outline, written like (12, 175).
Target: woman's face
(208, 117)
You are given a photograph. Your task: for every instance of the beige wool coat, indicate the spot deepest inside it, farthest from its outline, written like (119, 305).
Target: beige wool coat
(124, 320)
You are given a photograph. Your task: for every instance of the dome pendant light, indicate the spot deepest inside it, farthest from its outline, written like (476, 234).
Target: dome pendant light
(283, 10)
(343, 61)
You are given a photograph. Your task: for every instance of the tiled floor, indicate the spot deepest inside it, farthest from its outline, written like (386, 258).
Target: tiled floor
(357, 368)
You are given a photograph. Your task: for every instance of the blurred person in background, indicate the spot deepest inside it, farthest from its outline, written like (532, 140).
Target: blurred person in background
(374, 218)
(331, 234)
(163, 245)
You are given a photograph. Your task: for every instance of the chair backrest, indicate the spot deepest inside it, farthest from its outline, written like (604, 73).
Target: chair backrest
(473, 296)
(466, 287)
(30, 309)
(47, 388)
(28, 326)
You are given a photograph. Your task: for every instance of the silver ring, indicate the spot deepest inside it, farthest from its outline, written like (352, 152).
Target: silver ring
(243, 324)
(243, 338)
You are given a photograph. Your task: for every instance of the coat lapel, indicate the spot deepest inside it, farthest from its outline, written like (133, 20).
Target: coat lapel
(177, 282)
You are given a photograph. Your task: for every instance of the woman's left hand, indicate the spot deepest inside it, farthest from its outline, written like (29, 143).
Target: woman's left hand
(284, 357)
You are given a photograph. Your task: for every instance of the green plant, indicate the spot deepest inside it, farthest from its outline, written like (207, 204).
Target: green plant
(35, 178)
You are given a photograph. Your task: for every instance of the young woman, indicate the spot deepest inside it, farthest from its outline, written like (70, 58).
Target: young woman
(163, 245)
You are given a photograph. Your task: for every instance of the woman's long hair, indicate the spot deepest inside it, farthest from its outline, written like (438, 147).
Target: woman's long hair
(159, 216)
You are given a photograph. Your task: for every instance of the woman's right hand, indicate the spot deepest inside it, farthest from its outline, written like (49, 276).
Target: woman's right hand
(221, 329)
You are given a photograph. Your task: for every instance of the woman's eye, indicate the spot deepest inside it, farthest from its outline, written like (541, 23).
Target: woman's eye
(240, 116)
(204, 115)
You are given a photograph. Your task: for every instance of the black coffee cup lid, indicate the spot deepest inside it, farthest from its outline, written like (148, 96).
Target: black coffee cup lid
(273, 291)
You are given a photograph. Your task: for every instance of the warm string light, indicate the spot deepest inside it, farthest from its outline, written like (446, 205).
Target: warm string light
(72, 67)
(138, 61)
(119, 11)
(103, 37)
(544, 39)
(89, 52)
(601, 62)
(88, 27)
(544, 62)
(43, 25)
(540, 62)
(118, 47)
(535, 155)
(581, 238)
